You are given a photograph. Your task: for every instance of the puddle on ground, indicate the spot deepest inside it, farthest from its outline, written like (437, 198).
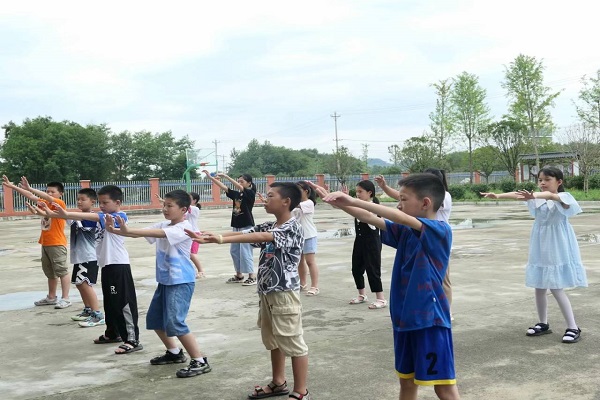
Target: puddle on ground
(6, 251)
(470, 224)
(589, 238)
(24, 300)
(335, 233)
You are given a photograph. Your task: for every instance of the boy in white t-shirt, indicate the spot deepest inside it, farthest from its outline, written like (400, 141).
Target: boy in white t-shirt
(118, 288)
(176, 277)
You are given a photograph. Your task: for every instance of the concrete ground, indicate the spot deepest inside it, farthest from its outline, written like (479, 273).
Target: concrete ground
(351, 356)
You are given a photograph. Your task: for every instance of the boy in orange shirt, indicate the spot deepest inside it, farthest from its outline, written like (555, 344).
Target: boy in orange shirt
(52, 239)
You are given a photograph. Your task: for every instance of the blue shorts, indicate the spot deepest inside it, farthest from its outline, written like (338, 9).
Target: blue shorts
(310, 246)
(425, 355)
(169, 308)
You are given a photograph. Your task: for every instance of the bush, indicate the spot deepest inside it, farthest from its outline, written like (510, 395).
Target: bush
(507, 185)
(594, 181)
(352, 192)
(457, 191)
(530, 186)
(478, 188)
(573, 182)
(493, 186)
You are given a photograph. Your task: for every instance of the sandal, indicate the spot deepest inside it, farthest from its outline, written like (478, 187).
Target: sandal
(572, 336)
(377, 304)
(314, 291)
(105, 339)
(539, 329)
(276, 390)
(235, 279)
(360, 299)
(129, 347)
(298, 396)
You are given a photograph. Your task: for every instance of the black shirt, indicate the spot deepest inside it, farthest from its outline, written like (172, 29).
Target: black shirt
(241, 215)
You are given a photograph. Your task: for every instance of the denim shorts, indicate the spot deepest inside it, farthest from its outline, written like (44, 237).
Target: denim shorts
(310, 246)
(169, 308)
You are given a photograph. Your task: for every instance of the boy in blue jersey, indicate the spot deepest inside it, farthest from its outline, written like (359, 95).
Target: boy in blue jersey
(418, 306)
(176, 277)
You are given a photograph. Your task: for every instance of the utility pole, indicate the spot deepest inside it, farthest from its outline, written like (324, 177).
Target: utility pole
(223, 159)
(216, 155)
(335, 116)
(365, 154)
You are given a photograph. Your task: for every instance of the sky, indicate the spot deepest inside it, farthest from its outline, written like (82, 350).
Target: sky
(276, 71)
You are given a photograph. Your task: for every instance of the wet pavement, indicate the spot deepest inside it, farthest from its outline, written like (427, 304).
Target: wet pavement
(351, 354)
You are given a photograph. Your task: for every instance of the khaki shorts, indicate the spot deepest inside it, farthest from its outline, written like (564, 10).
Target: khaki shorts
(280, 322)
(54, 261)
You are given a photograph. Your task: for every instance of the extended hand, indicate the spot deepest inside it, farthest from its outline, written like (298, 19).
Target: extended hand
(58, 212)
(380, 180)
(338, 199)
(489, 195)
(25, 183)
(6, 181)
(525, 195)
(319, 190)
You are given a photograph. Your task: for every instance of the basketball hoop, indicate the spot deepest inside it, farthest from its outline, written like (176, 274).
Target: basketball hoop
(202, 164)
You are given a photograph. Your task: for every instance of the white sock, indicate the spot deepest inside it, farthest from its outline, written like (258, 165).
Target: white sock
(541, 302)
(174, 350)
(201, 360)
(565, 307)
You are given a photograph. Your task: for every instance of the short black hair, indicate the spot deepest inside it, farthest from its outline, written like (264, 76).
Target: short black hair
(289, 190)
(180, 197)
(426, 185)
(114, 192)
(440, 173)
(554, 173)
(59, 186)
(89, 192)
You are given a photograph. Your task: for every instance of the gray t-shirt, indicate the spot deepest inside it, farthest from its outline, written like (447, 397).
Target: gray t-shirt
(279, 259)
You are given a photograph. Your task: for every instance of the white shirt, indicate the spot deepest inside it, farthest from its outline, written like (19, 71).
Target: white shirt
(443, 214)
(110, 248)
(192, 216)
(173, 264)
(304, 214)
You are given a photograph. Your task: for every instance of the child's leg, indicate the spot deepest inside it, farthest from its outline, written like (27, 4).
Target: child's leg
(52, 285)
(190, 345)
(358, 268)
(88, 295)
(124, 302)
(565, 307)
(65, 286)
(111, 331)
(408, 389)
(447, 392)
(247, 260)
(300, 371)
(278, 366)
(234, 250)
(196, 260)
(447, 286)
(312, 267)
(303, 271)
(541, 302)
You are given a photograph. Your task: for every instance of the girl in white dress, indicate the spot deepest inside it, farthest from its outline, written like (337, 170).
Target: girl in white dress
(554, 259)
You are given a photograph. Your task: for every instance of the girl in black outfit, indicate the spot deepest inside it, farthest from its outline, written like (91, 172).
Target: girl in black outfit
(366, 254)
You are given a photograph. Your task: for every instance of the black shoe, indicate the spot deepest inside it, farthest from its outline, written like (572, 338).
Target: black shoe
(169, 358)
(195, 368)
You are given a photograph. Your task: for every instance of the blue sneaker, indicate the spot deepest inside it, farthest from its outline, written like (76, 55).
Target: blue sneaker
(96, 318)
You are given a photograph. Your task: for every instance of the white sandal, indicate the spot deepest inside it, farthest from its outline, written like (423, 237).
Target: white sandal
(313, 291)
(377, 304)
(361, 298)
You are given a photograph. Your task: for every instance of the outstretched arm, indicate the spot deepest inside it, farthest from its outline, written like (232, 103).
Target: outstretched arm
(39, 193)
(60, 212)
(508, 195)
(235, 183)
(22, 191)
(124, 230)
(215, 180)
(393, 193)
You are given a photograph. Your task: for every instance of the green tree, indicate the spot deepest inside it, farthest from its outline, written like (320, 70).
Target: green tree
(588, 110)
(584, 141)
(395, 154)
(485, 160)
(530, 99)
(470, 112)
(508, 138)
(46, 150)
(441, 118)
(348, 164)
(121, 155)
(418, 154)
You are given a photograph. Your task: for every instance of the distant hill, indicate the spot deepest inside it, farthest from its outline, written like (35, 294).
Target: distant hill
(377, 162)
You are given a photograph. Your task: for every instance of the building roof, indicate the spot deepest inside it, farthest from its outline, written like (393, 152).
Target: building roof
(550, 155)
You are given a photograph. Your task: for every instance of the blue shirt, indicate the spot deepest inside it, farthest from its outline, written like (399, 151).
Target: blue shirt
(173, 264)
(417, 298)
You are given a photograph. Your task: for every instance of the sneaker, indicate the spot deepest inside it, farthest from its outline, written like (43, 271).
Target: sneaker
(169, 358)
(83, 315)
(46, 301)
(249, 282)
(96, 318)
(63, 303)
(195, 368)
(235, 279)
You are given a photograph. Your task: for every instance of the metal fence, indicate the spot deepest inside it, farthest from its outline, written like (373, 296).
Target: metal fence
(135, 193)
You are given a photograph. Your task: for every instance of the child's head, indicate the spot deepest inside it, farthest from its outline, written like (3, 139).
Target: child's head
(282, 197)
(176, 203)
(421, 195)
(550, 179)
(307, 192)
(86, 198)
(110, 198)
(365, 190)
(246, 181)
(195, 199)
(440, 173)
(55, 189)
